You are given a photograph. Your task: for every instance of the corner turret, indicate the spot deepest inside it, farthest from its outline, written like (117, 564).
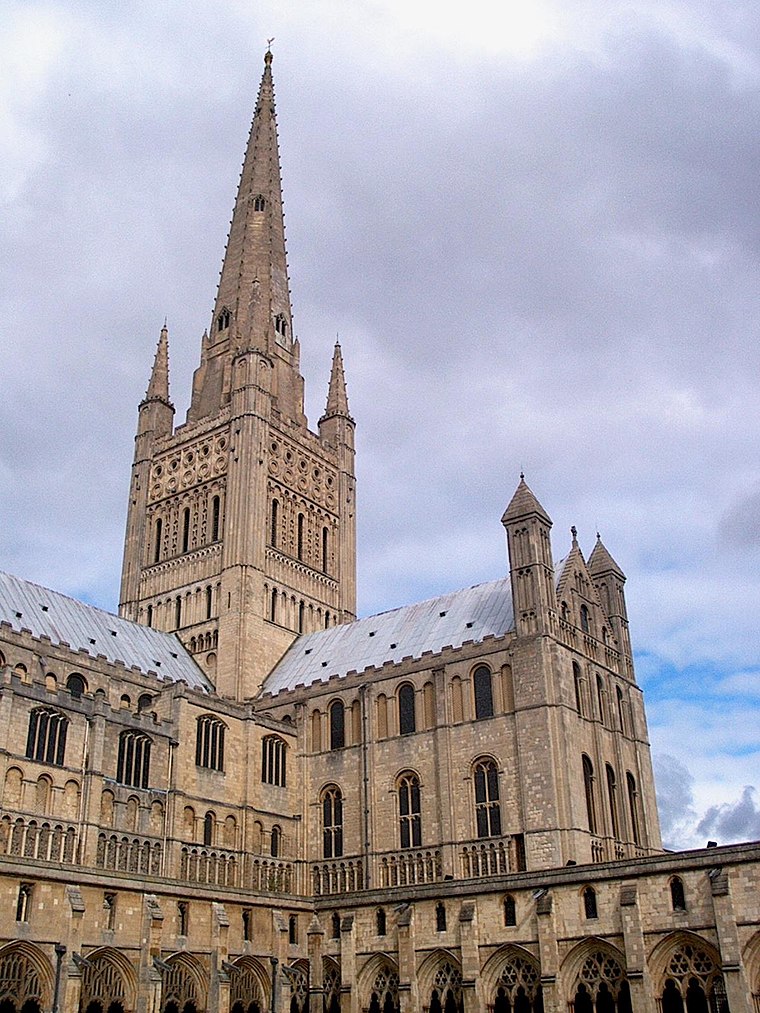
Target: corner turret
(531, 566)
(609, 580)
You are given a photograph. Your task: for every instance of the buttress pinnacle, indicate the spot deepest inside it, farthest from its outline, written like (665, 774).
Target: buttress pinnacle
(337, 397)
(158, 386)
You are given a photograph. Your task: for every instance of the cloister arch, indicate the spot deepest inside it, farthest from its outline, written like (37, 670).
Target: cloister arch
(686, 974)
(594, 977)
(439, 980)
(752, 963)
(511, 981)
(26, 979)
(109, 983)
(330, 985)
(184, 987)
(378, 985)
(249, 987)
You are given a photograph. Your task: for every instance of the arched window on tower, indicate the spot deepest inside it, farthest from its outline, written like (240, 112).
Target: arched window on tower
(209, 594)
(185, 529)
(407, 720)
(325, 549)
(600, 699)
(177, 612)
(483, 689)
(46, 736)
(275, 842)
(274, 518)
(209, 742)
(612, 796)
(273, 606)
(578, 688)
(633, 806)
(273, 756)
(209, 822)
(332, 822)
(299, 536)
(337, 725)
(588, 785)
(157, 532)
(133, 761)
(410, 824)
(223, 320)
(259, 203)
(585, 624)
(216, 514)
(281, 325)
(620, 708)
(487, 807)
(149, 615)
(76, 685)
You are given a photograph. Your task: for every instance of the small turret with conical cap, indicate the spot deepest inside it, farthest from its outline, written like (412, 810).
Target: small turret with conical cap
(610, 582)
(156, 412)
(530, 561)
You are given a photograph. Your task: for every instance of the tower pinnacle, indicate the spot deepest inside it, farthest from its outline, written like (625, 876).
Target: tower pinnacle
(252, 306)
(337, 398)
(158, 385)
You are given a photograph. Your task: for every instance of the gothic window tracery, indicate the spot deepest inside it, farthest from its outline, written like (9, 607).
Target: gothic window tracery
(409, 810)
(384, 993)
(601, 985)
(693, 980)
(46, 738)
(446, 994)
(519, 987)
(20, 985)
(332, 822)
(273, 760)
(588, 785)
(209, 742)
(487, 806)
(133, 762)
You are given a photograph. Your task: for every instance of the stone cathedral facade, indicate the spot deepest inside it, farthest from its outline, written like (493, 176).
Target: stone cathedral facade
(236, 797)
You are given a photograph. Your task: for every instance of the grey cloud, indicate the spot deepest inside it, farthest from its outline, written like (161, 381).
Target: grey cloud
(675, 801)
(733, 822)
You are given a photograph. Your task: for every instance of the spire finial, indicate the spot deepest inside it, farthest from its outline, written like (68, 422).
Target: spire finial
(574, 533)
(268, 55)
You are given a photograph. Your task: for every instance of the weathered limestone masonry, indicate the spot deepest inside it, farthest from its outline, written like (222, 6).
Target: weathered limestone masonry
(236, 797)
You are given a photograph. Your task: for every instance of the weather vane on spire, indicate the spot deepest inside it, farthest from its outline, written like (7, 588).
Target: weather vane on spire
(269, 42)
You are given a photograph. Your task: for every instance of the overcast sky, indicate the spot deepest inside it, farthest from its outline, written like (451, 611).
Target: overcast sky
(534, 226)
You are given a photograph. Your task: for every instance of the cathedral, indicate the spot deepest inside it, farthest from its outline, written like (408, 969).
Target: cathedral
(237, 797)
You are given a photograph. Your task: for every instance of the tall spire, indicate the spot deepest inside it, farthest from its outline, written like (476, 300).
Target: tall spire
(337, 398)
(252, 307)
(158, 386)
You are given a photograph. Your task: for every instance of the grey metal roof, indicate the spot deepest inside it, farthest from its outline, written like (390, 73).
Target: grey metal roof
(83, 627)
(473, 614)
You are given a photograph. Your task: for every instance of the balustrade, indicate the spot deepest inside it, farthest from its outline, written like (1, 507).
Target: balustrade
(337, 877)
(45, 842)
(408, 867)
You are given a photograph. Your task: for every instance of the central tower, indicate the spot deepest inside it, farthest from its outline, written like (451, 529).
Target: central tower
(241, 527)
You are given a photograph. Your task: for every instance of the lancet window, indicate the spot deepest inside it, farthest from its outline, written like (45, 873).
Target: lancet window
(46, 737)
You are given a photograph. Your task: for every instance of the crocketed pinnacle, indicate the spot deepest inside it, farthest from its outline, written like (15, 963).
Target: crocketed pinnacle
(524, 504)
(337, 397)
(158, 386)
(600, 561)
(253, 286)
